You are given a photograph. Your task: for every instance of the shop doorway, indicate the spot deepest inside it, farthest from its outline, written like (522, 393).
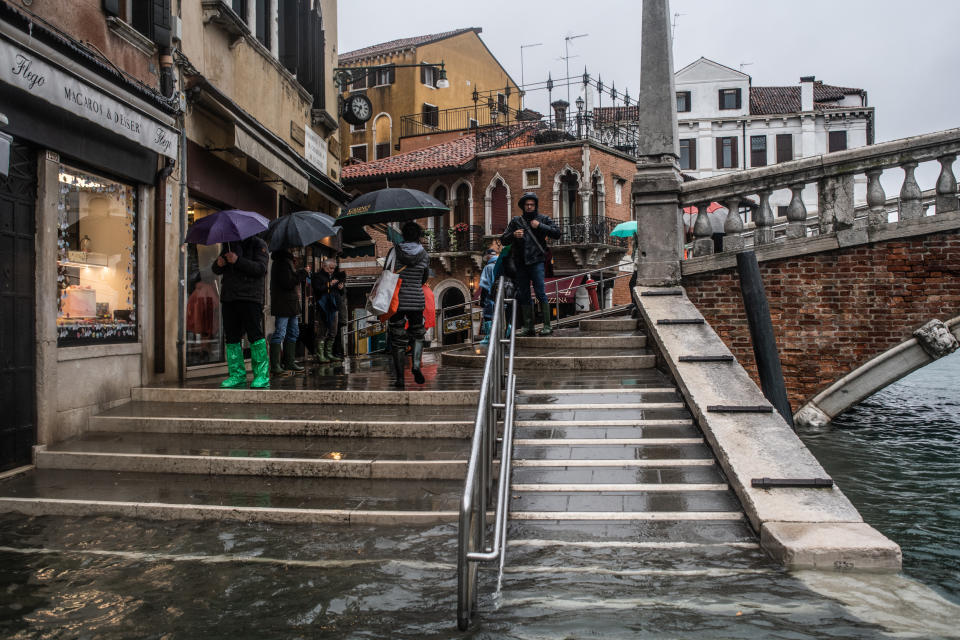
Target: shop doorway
(453, 322)
(18, 193)
(204, 339)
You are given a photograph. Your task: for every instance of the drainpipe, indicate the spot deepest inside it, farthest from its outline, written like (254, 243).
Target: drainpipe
(159, 265)
(181, 257)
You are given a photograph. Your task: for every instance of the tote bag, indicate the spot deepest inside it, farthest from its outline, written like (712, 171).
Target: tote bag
(385, 289)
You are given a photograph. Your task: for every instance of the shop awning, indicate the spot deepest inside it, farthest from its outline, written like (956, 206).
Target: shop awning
(271, 159)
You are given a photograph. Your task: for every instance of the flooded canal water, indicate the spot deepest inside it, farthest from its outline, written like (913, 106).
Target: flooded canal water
(896, 457)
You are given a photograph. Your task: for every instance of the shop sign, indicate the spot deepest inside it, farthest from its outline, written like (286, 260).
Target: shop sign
(456, 325)
(30, 73)
(315, 150)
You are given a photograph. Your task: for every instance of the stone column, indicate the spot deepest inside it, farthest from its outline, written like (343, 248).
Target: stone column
(876, 200)
(911, 207)
(947, 186)
(764, 227)
(656, 184)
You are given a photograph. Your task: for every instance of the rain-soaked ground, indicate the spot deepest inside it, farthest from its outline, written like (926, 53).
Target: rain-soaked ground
(110, 578)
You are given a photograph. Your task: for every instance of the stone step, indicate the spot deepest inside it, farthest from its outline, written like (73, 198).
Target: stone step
(733, 530)
(551, 359)
(573, 396)
(582, 341)
(601, 452)
(699, 474)
(251, 465)
(369, 421)
(412, 396)
(550, 431)
(600, 416)
(533, 380)
(254, 499)
(629, 503)
(609, 324)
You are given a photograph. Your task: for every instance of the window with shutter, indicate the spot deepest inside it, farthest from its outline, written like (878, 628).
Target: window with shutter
(727, 153)
(382, 150)
(729, 99)
(683, 101)
(289, 37)
(431, 115)
(758, 151)
(688, 154)
(838, 141)
(261, 17)
(784, 147)
(428, 76)
(359, 152)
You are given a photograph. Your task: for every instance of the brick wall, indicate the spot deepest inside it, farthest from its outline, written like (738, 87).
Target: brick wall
(834, 311)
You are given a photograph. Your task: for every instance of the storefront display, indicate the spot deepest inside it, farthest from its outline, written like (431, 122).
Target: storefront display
(203, 325)
(96, 259)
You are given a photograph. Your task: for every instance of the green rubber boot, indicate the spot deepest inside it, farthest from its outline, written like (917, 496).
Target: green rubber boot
(546, 329)
(275, 368)
(526, 313)
(328, 351)
(289, 357)
(260, 365)
(320, 353)
(236, 369)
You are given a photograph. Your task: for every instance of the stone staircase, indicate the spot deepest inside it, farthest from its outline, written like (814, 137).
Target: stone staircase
(611, 475)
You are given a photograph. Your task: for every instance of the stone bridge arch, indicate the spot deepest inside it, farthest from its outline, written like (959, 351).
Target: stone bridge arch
(843, 316)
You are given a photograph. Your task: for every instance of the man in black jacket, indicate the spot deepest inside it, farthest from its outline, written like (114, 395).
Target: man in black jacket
(285, 281)
(527, 234)
(243, 266)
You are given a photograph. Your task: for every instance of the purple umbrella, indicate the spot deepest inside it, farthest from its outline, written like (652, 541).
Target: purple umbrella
(230, 225)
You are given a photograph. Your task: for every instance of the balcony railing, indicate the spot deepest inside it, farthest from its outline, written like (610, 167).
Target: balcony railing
(454, 239)
(833, 174)
(457, 119)
(618, 136)
(584, 231)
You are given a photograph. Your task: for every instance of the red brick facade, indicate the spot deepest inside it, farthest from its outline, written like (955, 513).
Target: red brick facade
(834, 311)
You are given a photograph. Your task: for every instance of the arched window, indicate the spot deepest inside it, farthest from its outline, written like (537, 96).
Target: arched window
(499, 208)
(382, 136)
(461, 210)
(569, 206)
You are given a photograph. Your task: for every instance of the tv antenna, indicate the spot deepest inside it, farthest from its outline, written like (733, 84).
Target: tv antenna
(566, 45)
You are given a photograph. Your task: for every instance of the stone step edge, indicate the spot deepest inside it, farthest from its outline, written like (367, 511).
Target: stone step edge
(304, 396)
(279, 467)
(618, 488)
(603, 423)
(585, 363)
(673, 462)
(627, 544)
(268, 427)
(613, 390)
(627, 515)
(602, 442)
(269, 515)
(522, 406)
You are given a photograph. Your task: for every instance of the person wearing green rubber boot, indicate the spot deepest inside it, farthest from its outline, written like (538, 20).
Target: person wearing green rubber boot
(285, 281)
(527, 235)
(243, 267)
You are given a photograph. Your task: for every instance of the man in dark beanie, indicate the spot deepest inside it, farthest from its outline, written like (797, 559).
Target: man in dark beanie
(527, 234)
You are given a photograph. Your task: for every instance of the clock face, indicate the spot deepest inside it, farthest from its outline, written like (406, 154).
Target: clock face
(360, 106)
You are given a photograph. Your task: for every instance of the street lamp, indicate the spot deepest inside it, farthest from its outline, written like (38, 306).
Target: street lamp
(344, 76)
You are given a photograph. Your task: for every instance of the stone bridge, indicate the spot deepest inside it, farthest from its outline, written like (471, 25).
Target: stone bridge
(849, 288)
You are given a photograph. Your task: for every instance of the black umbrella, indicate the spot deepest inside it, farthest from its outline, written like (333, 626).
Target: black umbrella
(301, 229)
(391, 205)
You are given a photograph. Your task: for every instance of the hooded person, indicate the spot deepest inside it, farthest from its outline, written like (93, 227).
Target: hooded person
(412, 263)
(526, 235)
(285, 282)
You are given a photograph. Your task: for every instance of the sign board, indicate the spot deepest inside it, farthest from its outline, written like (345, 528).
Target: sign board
(29, 72)
(315, 149)
(457, 324)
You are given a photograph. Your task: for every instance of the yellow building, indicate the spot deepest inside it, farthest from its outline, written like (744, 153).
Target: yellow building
(407, 101)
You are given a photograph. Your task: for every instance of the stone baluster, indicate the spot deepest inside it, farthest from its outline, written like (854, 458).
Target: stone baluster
(702, 232)
(764, 231)
(947, 186)
(796, 214)
(876, 200)
(835, 198)
(911, 206)
(733, 227)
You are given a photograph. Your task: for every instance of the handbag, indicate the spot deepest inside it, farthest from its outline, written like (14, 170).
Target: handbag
(385, 289)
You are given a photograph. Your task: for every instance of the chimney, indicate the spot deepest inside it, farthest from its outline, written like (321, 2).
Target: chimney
(806, 93)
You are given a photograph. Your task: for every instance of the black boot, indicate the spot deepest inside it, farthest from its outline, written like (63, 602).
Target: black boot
(417, 356)
(399, 364)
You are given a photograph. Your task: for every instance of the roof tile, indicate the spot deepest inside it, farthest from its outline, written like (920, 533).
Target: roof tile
(445, 155)
(400, 45)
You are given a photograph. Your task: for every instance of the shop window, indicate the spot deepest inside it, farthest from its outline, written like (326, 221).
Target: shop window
(96, 259)
(202, 324)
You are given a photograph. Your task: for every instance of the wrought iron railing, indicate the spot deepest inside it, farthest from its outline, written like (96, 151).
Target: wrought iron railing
(457, 119)
(619, 136)
(580, 231)
(461, 237)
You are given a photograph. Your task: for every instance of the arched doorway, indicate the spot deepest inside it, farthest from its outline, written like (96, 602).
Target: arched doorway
(453, 303)
(569, 205)
(461, 209)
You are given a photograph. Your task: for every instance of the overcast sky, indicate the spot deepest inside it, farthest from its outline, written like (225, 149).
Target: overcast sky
(906, 55)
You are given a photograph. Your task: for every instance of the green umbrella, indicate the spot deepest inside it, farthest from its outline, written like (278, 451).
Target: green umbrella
(625, 229)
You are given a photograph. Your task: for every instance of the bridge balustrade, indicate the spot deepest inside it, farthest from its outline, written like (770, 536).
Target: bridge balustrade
(833, 175)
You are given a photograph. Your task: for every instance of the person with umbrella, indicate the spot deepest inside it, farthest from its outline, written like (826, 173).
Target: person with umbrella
(243, 267)
(285, 281)
(527, 235)
(413, 264)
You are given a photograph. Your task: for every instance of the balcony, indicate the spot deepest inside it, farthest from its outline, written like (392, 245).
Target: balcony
(618, 136)
(586, 242)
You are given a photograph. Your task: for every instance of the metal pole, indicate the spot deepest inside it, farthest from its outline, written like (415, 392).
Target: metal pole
(761, 334)
(522, 81)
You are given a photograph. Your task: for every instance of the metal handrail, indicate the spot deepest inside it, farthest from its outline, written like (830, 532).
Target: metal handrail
(440, 314)
(598, 283)
(496, 394)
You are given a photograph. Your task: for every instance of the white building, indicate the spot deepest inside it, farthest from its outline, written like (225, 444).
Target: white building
(726, 124)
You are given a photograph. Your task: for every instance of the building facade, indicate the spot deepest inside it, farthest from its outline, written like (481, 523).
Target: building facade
(402, 81)
(121, 122)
